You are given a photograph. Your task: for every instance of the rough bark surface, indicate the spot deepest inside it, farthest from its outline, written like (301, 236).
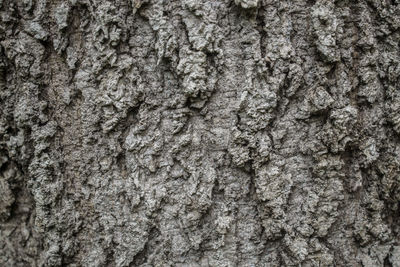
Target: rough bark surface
(199, 133)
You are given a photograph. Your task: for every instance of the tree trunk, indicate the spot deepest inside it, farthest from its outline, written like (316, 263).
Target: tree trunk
(199, 133)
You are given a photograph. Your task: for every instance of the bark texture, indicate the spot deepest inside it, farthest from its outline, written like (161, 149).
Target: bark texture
(199, 133)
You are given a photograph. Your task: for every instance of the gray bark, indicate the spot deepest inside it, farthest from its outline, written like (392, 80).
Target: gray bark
(199, 133)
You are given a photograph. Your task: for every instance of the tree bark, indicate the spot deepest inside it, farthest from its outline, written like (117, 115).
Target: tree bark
(199, 133)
